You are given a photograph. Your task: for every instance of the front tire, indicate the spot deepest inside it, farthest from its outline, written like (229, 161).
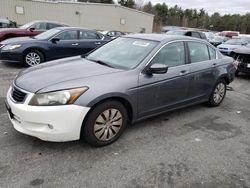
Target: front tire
(218, 93)
(33, 58)
(105, 123)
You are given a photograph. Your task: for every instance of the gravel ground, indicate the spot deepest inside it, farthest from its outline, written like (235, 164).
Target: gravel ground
(189, 148)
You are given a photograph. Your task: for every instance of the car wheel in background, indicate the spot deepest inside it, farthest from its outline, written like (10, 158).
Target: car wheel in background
(218, 93)
(237, 73)
(105, 123)
(33, 58)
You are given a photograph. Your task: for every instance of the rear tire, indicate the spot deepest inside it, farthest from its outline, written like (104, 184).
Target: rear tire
(218, 93)
(105, 123)
(33, 58)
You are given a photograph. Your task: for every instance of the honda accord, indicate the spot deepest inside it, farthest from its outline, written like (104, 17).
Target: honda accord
(126, 80)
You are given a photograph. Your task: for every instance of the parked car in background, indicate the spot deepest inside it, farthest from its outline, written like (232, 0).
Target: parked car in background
(229, 46)
(126, 80)
(217, 40)
(53, 44)
(113, 34)
(242, 56)
(229, 34)
(29, 29)
(5, 23)
(190, 33)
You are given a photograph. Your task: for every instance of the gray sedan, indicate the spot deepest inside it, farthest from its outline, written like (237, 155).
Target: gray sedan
(127, 80)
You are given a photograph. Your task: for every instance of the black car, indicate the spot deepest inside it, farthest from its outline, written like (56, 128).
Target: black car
(242, 56)
(190, 33)
(54, 44)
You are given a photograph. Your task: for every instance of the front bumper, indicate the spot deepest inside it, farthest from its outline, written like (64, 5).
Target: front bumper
(50, 123)
(8, 56)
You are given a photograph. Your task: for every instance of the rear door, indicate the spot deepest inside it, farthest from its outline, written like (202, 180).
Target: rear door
(89, 40)
(202, 69)
(160, 92)
(68, 44)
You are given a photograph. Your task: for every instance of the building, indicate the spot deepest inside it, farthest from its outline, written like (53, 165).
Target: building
(88, 15)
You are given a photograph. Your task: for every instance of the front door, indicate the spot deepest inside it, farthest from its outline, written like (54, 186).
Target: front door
(67, 46)
(159, 92)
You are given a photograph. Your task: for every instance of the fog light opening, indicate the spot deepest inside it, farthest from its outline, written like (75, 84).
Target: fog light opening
(50, 126)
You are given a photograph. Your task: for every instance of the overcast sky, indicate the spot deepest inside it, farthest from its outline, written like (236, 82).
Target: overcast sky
(211, 6)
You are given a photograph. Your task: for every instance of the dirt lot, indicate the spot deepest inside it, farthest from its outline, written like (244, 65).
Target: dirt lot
(193, 147)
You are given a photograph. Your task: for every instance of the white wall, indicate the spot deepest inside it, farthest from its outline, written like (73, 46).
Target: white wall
(87, 15)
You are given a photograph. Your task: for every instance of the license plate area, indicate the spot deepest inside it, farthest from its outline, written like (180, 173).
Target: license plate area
(248, 65)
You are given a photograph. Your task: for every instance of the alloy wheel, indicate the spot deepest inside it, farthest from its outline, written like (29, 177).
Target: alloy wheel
(219, 93)
(32, 59)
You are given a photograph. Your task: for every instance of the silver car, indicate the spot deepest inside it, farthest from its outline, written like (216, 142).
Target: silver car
(129, 79)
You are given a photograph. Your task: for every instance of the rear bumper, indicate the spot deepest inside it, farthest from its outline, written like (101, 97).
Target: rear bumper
(50, 123)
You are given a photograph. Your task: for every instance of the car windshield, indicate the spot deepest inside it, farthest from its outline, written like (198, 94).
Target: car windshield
(27, 25)
(175, 32)
(235, 41)
(47, 34)
(124, 53)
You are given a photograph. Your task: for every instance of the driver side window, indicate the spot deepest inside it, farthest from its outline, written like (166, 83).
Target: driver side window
(39, 26)
(171, 55)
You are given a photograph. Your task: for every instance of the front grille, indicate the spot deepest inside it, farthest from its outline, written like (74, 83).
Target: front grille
(18, 95)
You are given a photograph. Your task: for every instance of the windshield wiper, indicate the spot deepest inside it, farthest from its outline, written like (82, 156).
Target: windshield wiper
(101, 63)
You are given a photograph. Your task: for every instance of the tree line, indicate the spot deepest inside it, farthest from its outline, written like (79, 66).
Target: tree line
(177, 16)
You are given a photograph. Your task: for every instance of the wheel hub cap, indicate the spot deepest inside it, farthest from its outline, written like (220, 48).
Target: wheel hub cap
(108, 124)
(219, 93)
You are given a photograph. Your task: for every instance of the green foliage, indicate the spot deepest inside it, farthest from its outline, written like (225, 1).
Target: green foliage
(127, 3)
(177, 16)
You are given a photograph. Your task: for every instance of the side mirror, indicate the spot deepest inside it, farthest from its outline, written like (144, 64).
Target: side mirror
(55, 40)
(32, 29)
(157, 69)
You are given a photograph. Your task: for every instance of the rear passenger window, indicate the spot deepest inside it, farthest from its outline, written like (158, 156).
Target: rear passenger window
(196, 35)
(212, 53)
(171, 55)
(198, 52)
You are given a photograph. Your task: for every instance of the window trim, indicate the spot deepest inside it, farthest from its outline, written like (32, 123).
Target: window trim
(148, 63)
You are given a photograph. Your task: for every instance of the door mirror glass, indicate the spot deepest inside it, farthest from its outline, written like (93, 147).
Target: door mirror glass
(55, 40)
(158, 69)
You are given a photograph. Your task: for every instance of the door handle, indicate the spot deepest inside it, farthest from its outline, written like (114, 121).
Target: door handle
(214, 64)
(98, 43)
(183, 72)
(75, 44)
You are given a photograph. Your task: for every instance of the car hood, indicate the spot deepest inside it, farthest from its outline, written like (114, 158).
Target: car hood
(243, 50)
(19, 40)
(229, 46)
(59, 71)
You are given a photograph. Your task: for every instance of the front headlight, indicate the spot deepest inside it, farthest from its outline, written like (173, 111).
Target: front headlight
(58, 97)
(11, 46)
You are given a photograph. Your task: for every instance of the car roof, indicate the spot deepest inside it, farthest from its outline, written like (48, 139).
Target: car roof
(69, 28)
(48, 21)
(162, 37)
